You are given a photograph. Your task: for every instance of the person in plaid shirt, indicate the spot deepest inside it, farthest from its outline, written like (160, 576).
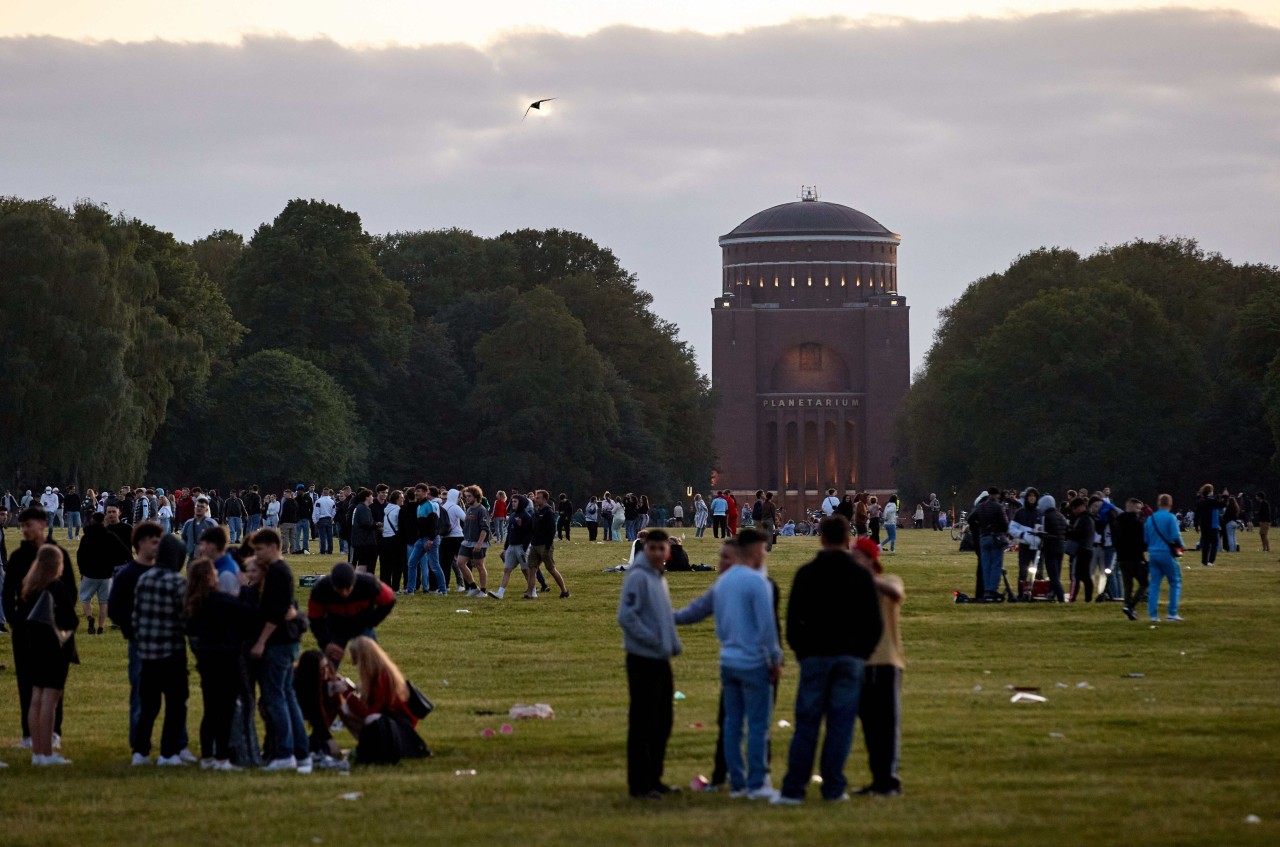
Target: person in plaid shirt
(158, 638)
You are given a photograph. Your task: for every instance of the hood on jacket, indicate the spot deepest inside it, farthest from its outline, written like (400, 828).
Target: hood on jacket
(1045, 503)
(983, 496)
(1028, 493)
(172, 553)
(452, 498)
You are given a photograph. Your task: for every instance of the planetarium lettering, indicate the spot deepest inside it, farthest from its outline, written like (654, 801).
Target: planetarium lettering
(803, 402)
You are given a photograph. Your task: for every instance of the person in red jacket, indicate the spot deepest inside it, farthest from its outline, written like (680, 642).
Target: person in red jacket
(379, 715)
(733, 512)
(344, 605)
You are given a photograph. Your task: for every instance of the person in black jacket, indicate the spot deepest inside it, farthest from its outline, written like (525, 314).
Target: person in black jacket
(1131, 551)
(253, 510)
(49, 645)
(99, 555)
(1208, 520)
(345, 604)
(1052, 541)
(218, 625)
(277, 647)
(1027, 516)
(544, 537)
(1262, 515)
(989, 525)
(1080, 548)
(833, 625)
(364, 532)
(34, 523)
(564, 517)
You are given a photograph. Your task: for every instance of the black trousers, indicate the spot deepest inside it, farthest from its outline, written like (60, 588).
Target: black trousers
(394, 559)
(1134, 572)
(562, 528)
(592, 526)
(879, 709)
(875, 529)
(22, 670)
(1026, 558)
(720, 526)
(449, 548)
(1081, 574)
(1051, 555)
(648, 721)
(366, 557)
(163, 678)
(219, 691)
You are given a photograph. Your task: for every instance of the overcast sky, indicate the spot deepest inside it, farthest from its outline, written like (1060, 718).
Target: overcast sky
(976, 139)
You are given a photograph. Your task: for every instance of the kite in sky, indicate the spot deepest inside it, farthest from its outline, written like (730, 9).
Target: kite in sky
(536, 104)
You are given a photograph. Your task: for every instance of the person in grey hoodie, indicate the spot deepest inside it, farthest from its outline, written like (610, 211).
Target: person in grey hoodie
(650, 640)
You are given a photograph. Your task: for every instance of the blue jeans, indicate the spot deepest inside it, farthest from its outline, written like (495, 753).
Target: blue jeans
(324, 529)
(235, 526)
(748, 695)
(499, 529)
(829, 686)
(135, 695)
(1164, 569)
(891, 537)
(255, 523)
(73, 525)
(422, 560)
(992, 563)
(288, 731)
(304, 534)
(1230, 533)
(633, 527)
(1114, 586)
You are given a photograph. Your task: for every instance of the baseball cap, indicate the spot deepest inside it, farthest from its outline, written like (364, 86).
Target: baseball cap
(866, 545)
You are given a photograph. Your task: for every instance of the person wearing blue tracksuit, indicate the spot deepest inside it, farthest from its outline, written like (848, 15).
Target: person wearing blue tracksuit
(1164, 546)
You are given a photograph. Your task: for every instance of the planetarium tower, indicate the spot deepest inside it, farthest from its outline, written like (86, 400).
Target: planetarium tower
(810, 353)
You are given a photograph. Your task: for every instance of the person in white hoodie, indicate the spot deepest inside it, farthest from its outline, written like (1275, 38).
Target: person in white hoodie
(50, 503)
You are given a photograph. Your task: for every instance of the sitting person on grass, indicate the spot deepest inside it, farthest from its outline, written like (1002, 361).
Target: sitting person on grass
(378, 715)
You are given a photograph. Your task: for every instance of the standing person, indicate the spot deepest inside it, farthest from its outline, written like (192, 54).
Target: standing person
(1164, 548)
(164, 514)
(541, 543)
(700, 516)
(99, 555)
(1053, 544)
(288, 523)
(425, 555)
(4, 555)
(277, 648)
(306, 503)
(1131, 547)
(880, 701)
(253, 508)
(591, 516)
(475, 543)
(1230, 514)
(499, 517)
(1022, 527)
(345, 506)
(364, 532)
(564, 517)
(213, 546)
(326, 509)
(515, 553)
(146, 546)
(51, 503)
(217, 625)
(873, 519)
(72, 504)
(158, 624)
(989, 526)
(833, 625)
(1080, 547)
(1262, 514)
(346, 604)
(452, 518)
(677, 512)
(1208, 520)
(719, 516)
(935, 511)
(607, 507)
(48, 611)
(391, 549)
(234, 511)
(917, 520)
(34, 524)
(830, 503)
(890, 525)
(731, 513)
(750, 665)
(769, 518)
(861, 515)
(650, 641)
(195, 527)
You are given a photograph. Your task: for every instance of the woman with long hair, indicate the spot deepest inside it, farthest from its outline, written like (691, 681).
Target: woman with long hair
(218, 625)
(164, 514)
(50, 646)
(378, 715)
(700, 515)
(499, 517)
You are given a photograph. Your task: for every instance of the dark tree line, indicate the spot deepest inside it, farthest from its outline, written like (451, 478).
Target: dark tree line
(1147, 366)
(315, 351)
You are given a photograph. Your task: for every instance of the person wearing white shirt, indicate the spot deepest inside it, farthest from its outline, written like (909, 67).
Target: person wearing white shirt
(831, 503)
(323, 514)
(49, 502)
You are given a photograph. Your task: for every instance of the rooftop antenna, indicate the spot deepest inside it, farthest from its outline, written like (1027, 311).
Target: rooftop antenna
(808, 193)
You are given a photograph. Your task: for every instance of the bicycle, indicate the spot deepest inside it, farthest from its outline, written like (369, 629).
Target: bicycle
(960, 527)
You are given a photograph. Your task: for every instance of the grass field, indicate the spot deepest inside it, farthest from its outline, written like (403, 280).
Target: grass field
(1180, 756)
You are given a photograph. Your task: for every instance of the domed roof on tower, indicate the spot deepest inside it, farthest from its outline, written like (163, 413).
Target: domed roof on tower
(808, 217)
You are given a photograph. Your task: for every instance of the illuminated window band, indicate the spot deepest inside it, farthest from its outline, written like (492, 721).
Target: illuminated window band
(763, 239)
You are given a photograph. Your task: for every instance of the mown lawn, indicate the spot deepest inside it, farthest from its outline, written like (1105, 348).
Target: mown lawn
(1179, 756)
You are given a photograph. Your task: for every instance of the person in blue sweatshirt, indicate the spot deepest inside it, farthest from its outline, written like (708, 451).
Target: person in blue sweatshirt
(750, 664)
(650, 640)
(1164, 547)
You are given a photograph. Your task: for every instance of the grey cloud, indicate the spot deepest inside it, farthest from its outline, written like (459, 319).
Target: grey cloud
(977, 140)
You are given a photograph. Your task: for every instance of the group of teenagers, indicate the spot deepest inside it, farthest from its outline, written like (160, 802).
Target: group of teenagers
(841, 621)
(237, 611)
(1111, 552)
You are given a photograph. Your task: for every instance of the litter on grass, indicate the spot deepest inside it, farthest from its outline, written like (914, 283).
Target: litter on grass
(1083, 685)
(521, 711)
(1025, 697)
(977, 688)
(1062, 685)
(1056, 735)
(463, 611)
(467, 772)
(507, 729)
(815, 779)
(352, 795)
(1134, 676)
(679, 695)
(699, 783)
(784, 724)
(486, 733)
(697, 725)
(1252, 819)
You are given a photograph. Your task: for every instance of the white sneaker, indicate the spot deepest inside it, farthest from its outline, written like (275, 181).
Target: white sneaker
(3, 765)
(139, 760)
(738, 794)
(1174, 618)
(497, 595)
(208, 764)
(764, 792)
(24, 744)
(780, 800)
(289, 764)
(170, 762)
(224, 766)
(460, 589)
(57, 741)
(187, 757)
(474, 592)
(37, 760)
(304, 765)
(48, 761)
